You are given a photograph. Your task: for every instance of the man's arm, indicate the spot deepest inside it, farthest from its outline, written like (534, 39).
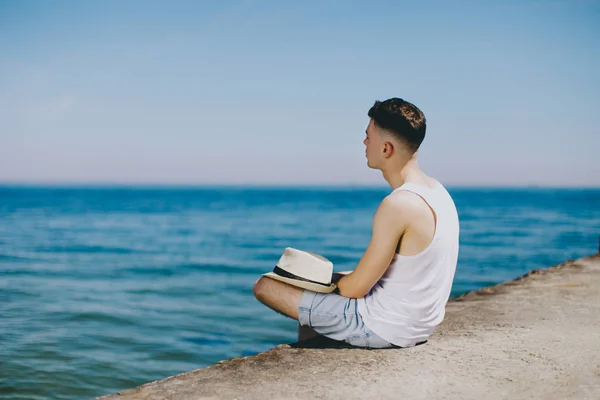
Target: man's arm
(389, 224)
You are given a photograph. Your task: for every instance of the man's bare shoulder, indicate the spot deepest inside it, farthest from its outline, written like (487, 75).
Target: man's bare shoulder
(403, 201)
(404, 209)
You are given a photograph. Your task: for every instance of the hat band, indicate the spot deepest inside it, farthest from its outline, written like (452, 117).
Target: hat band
(286, 274)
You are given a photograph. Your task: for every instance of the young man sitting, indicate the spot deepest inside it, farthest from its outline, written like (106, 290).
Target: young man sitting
(397, 294)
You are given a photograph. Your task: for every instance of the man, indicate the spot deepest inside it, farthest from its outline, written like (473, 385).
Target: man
(396, 295)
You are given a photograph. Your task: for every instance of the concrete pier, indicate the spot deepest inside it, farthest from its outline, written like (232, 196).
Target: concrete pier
(536, 337)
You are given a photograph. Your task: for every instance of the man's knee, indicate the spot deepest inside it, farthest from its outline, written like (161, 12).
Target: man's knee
(260, 288)
(278, 296)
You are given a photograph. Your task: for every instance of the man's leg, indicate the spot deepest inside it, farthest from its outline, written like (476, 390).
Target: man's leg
(278, 296)
(284, 299)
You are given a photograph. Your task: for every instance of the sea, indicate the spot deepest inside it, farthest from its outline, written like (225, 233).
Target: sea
(106, 288)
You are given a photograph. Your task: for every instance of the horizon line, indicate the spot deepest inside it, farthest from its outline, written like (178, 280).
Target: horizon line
(270, 185)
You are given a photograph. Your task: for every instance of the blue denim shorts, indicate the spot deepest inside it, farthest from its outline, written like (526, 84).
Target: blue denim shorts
(337, 317)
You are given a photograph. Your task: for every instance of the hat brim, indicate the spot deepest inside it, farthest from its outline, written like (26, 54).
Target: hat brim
(314, 287)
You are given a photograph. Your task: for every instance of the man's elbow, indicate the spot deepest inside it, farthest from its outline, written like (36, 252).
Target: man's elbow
(353, 293)
(352, 288)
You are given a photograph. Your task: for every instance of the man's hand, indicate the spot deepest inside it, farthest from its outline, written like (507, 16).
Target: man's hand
(389, 224)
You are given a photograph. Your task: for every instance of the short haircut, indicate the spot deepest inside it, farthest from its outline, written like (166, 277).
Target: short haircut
(402, 119)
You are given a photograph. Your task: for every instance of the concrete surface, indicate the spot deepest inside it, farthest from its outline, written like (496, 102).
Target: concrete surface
(537, 337)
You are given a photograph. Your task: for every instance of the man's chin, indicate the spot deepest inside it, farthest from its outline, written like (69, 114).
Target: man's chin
(373, 167)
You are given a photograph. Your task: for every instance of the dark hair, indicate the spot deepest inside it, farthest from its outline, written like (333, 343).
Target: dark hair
(403, 119)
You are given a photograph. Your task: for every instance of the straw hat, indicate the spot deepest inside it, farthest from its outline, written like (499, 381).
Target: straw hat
(305, 270)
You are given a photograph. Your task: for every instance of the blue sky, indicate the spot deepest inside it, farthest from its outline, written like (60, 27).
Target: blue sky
(269, 92)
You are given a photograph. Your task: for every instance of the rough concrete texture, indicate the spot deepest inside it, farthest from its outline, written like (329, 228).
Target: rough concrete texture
(537, 337)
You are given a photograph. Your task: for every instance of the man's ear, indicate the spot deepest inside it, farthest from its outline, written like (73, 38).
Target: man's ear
(388, 149)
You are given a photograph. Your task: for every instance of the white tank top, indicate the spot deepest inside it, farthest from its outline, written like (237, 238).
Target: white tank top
(409, 300)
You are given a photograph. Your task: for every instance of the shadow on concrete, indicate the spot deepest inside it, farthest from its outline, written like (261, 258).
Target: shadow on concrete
(323, 342)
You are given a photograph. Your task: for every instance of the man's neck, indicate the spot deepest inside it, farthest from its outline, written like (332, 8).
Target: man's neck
(397, 177)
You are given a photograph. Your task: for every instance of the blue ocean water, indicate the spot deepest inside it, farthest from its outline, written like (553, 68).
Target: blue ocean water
(103, 289)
